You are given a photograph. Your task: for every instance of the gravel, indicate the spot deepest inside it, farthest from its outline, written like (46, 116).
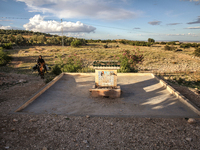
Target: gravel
(50, 131)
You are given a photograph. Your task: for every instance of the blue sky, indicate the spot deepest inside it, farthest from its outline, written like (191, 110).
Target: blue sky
(106, 19)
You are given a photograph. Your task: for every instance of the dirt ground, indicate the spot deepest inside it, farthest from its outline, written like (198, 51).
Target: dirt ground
(50, 131)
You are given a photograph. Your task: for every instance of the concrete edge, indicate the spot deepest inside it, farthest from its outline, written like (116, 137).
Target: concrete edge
(118, 74)
(85, 74)
(178, 95)
(38, 93)
(133, 74)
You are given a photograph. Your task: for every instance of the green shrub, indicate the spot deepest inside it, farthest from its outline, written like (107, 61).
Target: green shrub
(4, 57)
(169, 48)
(86, 69)
(7, 45)
(76, 43)
(56, 70)
(187, 45)
(150, 40)
(71, 64)
(49, 79)
(197, 52)
(162, 43)
(129, 61)
(105, 46)
(122, 42)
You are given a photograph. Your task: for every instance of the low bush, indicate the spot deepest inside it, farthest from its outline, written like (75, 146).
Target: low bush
(179, 50)
(105, 46)
(4, 57)
(7, 45)
(129, 61)
(71, 64)
(169, 48)
(86, 69)
(76, 43)
(162, 43)
(56, 69)
(197, 52)
(187, 45)
(49, 79)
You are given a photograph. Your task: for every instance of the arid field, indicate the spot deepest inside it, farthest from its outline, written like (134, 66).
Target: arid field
(181, 69)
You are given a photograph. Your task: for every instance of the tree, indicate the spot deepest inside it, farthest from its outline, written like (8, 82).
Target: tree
(76, 43)
(34, 38)
(41, 39)
(19, 40)
(11, 38)
(151, 40)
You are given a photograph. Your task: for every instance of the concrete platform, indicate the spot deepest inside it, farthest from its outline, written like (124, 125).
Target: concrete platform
(142, 96)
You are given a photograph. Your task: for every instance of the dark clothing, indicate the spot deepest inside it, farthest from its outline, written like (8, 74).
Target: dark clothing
(39, 61)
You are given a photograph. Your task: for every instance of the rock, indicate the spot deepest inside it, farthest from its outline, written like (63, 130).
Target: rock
(87, 116)
(15, 120)
(111, 124)
(179, 128)
(191, 120)
(85, 141)
(189, 139)
(7, 147)
(32, 120)
(44, 148)
(22, 81)
(13, 129)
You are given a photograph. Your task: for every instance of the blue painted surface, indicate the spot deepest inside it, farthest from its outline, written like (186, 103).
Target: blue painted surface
(106, 78)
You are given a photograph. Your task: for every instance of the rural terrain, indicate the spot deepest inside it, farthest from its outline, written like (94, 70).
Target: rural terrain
(179, 67)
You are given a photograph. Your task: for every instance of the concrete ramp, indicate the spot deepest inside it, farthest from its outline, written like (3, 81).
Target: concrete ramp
(142, 96)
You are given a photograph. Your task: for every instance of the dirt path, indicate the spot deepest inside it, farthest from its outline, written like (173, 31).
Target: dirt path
(23, 131)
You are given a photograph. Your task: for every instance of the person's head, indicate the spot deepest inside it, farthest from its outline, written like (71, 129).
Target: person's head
(40, 57)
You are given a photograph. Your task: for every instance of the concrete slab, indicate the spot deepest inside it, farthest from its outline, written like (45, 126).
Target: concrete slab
(142, 95)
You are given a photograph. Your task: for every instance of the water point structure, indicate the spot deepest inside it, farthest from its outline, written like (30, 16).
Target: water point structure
(143, 95)
(106, 79)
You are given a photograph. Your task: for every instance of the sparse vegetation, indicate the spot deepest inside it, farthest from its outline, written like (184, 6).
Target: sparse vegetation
(56, 69)
(128, 60)
(154, 58)
(76, 43)
(7, 45)
(105, 46)
(4, 57)
(151, 40)
(197, 52)
(169, 48)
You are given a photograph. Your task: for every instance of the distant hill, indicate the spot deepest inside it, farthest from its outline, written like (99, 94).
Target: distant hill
(23, 32)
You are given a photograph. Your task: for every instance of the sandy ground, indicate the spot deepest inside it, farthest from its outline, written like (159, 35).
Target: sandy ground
(142, 95)
(26, 131)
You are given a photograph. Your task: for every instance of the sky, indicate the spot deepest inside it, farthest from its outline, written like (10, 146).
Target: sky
(162, 20)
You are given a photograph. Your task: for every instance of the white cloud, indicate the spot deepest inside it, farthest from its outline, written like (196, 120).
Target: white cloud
(188, 34)
(5, 27)
(95, 9)
(79, 35)
(154, 22)
(38, 24)
(193, 27)
(175, 34)
(197, 2)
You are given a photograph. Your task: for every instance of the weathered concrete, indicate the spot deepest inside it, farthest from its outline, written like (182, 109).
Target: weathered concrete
(142, 95)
